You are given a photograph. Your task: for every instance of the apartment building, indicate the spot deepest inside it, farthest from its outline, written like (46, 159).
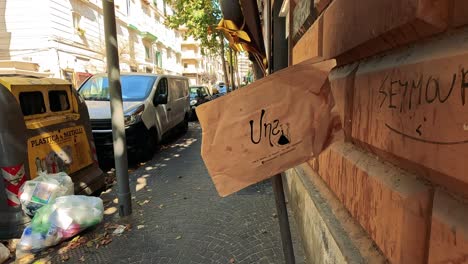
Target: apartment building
(244, 66)
(66, 37)
(199, 68)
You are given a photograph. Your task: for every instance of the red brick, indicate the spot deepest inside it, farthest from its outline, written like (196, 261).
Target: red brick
(342, 86)
(449, 230)
(389, 204)
(310, 45)
(460, 9)
(432, 133)
(320, 5)
(366, 27)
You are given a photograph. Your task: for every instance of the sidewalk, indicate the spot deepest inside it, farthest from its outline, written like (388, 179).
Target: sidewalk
(179, 218)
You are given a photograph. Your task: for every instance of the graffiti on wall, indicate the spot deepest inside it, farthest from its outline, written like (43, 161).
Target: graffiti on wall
(407, 95)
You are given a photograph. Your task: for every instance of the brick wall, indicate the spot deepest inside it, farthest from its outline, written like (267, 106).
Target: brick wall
(401, 90)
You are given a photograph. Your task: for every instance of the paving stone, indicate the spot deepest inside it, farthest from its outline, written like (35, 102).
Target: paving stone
(212, 229)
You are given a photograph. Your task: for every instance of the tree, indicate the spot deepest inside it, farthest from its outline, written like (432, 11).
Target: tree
(199, 17)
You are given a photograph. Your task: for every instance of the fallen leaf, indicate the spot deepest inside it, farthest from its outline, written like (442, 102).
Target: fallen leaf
(42, 261)
(149, 190)
(140, 226)
(144, 202)
(175, 194)
(90, 244)
(119, 230)
(112, 226)
(82, 259)
(25, 259)
(106, 241)
(64, 258)
(161, 206)
(63, 250)
(275, 215)
(178, 237)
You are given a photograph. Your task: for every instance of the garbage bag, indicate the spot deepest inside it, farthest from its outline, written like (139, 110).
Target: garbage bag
(44, 189)
(61, 219)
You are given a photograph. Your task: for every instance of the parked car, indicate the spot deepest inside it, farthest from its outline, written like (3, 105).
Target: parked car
(222, 88)
(199, 94)
(154, 105)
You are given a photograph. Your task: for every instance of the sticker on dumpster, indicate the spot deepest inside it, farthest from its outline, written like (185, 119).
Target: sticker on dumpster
(14, 177)
(64, 150)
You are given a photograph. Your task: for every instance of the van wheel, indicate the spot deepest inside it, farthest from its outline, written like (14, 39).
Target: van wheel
(149, 146)
(185, 124)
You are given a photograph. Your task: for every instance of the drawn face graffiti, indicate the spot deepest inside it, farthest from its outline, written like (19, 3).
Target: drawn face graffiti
(275, 133)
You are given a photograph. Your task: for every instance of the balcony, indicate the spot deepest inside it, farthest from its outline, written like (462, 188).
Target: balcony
(191, 69)
(191, 55)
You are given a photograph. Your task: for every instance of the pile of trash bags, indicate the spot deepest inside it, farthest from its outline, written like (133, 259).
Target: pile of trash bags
(59, 220)
(44, 189)
(57, 214)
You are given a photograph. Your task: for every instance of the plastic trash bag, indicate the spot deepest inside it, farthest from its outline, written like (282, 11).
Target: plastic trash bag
(44, 189)
(62, 219)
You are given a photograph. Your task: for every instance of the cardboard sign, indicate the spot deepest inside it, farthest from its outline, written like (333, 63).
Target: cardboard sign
(272, 125)
(65, 150)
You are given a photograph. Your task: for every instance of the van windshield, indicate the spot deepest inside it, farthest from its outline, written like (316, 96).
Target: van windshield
(134, 88)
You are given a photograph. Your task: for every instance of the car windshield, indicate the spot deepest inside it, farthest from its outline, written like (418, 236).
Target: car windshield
(197, 91)
(134, 88)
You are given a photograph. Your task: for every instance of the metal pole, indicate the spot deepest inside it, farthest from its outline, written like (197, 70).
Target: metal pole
(118, 127)
(282, 212)
(276, 61)
(232, 69)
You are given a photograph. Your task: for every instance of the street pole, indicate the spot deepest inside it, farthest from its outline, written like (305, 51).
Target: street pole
(277, 45)
(118, 127)
(232, 69)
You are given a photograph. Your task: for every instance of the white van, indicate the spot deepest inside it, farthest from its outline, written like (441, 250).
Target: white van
(153, 106)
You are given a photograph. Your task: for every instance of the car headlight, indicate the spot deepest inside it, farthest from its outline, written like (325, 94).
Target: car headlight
(193, 102)
(134, 116)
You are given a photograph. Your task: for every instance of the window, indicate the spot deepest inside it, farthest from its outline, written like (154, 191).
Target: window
(147, 52)
(128, 7)
(76, 20)
(59, 101)
(32, 103)
(158, 59)
(134, 88)
(198, 91)
(162, 86)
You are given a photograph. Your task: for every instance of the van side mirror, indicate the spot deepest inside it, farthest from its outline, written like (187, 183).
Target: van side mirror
(160, 99)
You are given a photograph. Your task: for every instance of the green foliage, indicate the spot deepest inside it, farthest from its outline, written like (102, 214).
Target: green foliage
(198, 17)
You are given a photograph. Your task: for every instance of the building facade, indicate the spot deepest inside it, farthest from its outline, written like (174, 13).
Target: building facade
(66, 37)
(244, 67)
(199, 68)
(393, 187)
